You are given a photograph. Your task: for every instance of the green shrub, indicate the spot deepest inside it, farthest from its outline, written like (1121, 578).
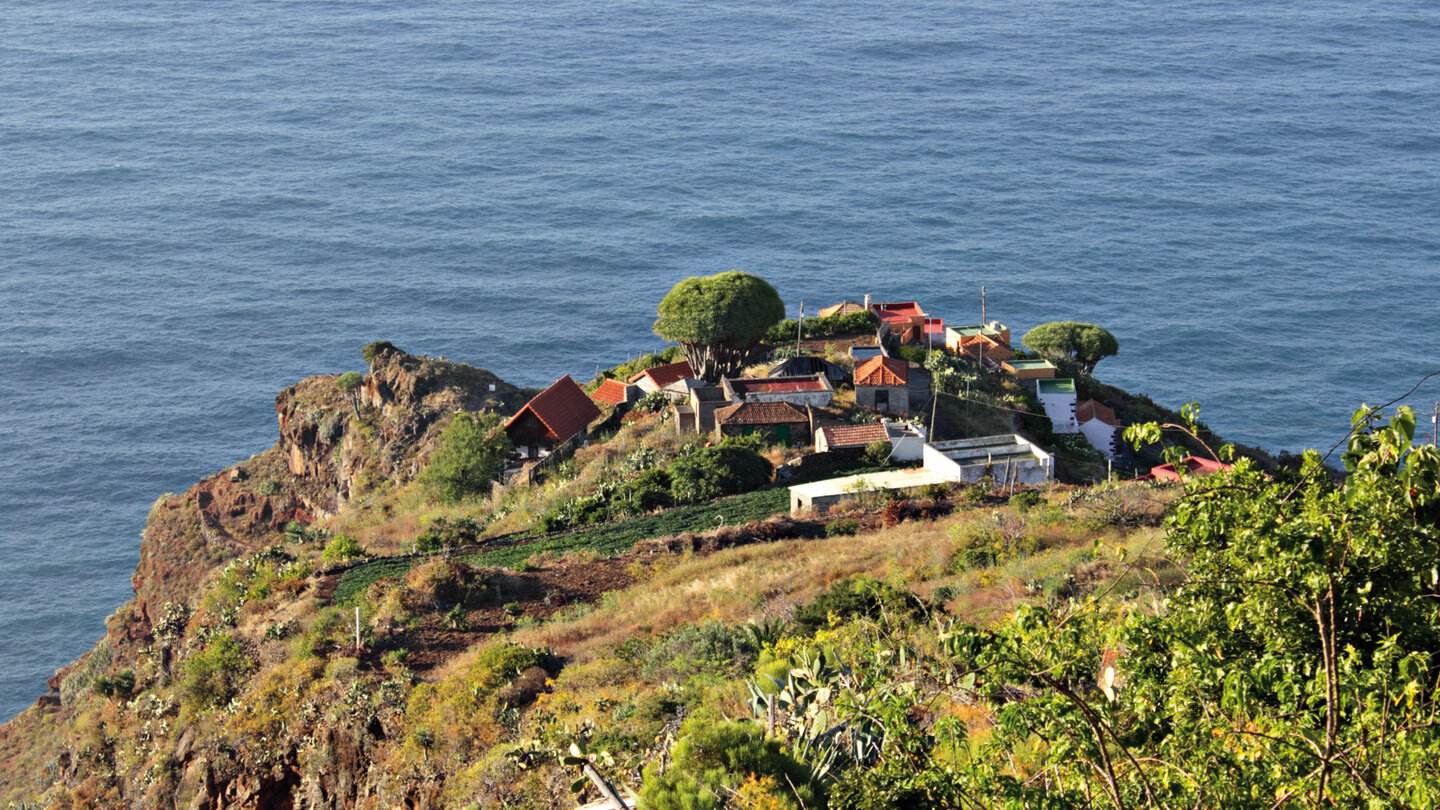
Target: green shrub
(877, 453)
(858, 597)
(499, 664)
(652, 402)
(713, 472)
(471, 450)
(1026, 500)
(446, 533)
(713, 647)
(843, 527)
(713, 759)
(214, 675)
(646, 492)
(342, 547)
(373, 349)
(911, 354)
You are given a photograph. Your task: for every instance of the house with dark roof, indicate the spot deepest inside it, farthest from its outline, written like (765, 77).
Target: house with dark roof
(809, 366)
(883, 384)
(552, 418)
(778, 422)
(849, 437)
(653, 379)
(614, 392)
(814, 390)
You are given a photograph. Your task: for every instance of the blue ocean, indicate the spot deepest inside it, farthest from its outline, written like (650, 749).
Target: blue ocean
(202, 202)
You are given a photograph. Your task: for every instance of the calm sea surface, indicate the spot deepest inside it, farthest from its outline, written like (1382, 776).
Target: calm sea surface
(202, 202)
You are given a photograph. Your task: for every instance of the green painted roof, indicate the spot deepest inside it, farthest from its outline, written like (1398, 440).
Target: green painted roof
(1061, 386)
(1019, 364)
(974, 329)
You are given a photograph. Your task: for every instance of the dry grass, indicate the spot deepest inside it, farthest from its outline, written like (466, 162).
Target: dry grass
(736, 585)
(740, 584)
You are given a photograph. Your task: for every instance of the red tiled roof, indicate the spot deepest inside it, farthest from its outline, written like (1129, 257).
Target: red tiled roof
(1087, 409)
(662, 376)
(610, 392)
(1194, 465)
(760, 413)
(562, 408)
(879, 371)
(854, 435)
(775, 385)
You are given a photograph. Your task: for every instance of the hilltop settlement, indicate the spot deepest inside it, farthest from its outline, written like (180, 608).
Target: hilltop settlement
(861, 560)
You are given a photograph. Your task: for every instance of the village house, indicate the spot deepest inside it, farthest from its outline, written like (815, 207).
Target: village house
(842, 308)
(1030, 370)
(653, 379)
(988, 341)
(903, 319)
(615, 392)
(1058, 398)
(697, 413)
(849, 437)
(932, 333)
(907, 440)
(882, 384)
(776, 422)
(1009, 460)
(1099, 425)
(815, 390)
(808, 366)
(552, 418)
(859, 353)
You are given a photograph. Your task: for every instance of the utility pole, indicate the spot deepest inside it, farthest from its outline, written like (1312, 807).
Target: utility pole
(982, 305)
(1435, 426)
(799, 327)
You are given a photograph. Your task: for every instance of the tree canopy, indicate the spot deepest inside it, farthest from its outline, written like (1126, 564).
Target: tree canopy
(718, 320)
(470, 452)
(1085, 343)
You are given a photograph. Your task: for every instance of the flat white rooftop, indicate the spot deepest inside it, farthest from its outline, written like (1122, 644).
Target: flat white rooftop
(871, 482)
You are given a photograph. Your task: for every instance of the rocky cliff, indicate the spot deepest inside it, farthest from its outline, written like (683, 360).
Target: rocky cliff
(333, 446)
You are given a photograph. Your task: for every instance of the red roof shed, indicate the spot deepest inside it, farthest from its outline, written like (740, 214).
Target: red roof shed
(554, 415)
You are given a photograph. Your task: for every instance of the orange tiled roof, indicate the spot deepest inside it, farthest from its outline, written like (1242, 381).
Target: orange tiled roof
(1087, 409)
(760, 413)
(562, 408)
(879, 371)
(842, 308)
(610, 392)
(854, 435)
(662, 376)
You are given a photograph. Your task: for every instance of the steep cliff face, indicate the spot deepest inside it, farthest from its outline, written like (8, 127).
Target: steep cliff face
(338, 445)
(333, 446)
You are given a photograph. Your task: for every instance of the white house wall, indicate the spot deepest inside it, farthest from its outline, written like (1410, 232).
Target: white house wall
(1101, 436)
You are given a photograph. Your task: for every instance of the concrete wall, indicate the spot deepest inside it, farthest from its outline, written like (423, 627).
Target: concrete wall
(1101, 436)
(1061, 410)
(909, 446)
(899, 398)
(969, 460)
